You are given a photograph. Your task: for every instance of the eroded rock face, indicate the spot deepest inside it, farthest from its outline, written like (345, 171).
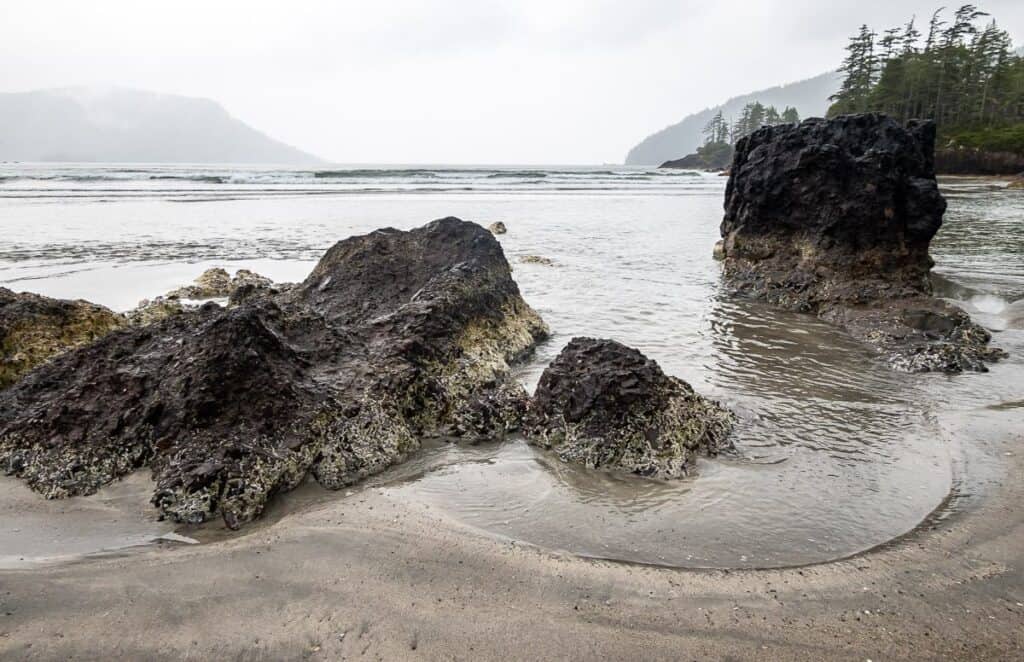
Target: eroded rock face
(393, 336)
(35, 328)
(604, 405)
(835, 217)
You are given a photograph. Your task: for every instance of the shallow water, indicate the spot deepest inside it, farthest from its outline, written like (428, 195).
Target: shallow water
(836, 452)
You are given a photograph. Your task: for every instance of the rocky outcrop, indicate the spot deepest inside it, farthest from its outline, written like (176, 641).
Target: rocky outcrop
(688, 162)
(393, 336)
(953, 160)
(604, 405)
(35, 328)
(213, 283)
(835, 217)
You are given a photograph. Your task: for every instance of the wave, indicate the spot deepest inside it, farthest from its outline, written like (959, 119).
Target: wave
(208, 179)
(518, 174)
(365, 173)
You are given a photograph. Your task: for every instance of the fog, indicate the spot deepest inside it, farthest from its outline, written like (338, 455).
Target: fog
(533, 81)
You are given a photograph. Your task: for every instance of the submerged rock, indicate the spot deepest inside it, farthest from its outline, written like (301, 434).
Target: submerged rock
(537, 259)
(497, 228)
(35, 328)
(605, 405)
(835, 217)
(393, 336)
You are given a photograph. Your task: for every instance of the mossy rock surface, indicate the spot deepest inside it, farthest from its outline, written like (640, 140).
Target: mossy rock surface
(34, 329)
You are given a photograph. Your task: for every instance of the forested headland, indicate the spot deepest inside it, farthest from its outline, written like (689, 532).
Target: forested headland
(959, 70)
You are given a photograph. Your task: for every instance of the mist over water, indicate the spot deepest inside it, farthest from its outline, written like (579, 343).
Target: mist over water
(836, 453)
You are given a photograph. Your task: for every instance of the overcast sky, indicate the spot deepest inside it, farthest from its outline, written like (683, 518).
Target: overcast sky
(467, 81)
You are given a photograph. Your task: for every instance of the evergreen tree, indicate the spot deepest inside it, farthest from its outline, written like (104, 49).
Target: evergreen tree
(964, 75)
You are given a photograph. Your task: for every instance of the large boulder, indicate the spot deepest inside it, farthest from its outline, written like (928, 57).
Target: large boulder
(605, 405)
(35, 328)
(393, 336)
(835, 217)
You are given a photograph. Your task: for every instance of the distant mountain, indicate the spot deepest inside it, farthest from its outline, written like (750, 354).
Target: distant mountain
(810, 97)
(125, 125)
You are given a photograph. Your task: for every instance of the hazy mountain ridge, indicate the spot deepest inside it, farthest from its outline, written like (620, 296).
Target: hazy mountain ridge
(809, 97)
(126, 125)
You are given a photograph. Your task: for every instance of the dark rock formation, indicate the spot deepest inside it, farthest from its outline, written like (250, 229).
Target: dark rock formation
(712, 157)
(35, 328)
(973, 161)
(835, 217)
(394, 335)
(688, 162)
(602, 404)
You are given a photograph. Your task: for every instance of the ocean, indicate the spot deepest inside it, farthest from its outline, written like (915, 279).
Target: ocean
(836, 453)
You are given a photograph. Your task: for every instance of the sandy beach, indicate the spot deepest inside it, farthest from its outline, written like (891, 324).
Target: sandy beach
(366, 576)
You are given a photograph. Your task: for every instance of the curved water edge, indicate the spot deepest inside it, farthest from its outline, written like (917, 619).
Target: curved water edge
(838, 454)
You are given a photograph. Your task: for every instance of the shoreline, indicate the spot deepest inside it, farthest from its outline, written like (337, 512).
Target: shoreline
(371, 577)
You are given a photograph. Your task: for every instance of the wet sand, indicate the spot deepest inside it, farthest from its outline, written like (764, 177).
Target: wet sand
(369, 576)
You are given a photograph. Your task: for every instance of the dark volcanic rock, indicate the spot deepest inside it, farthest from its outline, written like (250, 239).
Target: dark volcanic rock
(394, 335)
(35, 328)
(688, 162)
(835, 217)
(602, 404)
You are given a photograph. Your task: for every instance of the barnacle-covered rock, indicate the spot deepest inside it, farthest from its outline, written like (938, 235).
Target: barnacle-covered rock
(835, 217)
(604, 405)
(393, 336)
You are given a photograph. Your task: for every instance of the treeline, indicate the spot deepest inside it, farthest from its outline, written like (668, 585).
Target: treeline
(753, 116)
(961, 72)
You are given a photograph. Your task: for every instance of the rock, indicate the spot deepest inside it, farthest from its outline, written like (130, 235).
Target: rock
(35, 328)
(835, 217)
(688, 162)
(1016, 183)
(218, 284)
(604, 405)
(537, 259)
(211, 284)
(497, 228)
(393, 336)
(150, 311)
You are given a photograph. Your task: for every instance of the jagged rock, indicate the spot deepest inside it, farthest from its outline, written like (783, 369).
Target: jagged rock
(211, 284)
(498, 228)
(605, 405)
(35, 328)
(835, 217)
(153, 310)
(216, 283)
(393, 336)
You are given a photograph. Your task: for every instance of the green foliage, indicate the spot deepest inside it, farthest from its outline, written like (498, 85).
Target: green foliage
(715, 155)
(964, 76)
(754, 115)
(990, 139)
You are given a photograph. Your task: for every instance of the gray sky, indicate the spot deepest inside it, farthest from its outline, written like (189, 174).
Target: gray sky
(468, 81)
